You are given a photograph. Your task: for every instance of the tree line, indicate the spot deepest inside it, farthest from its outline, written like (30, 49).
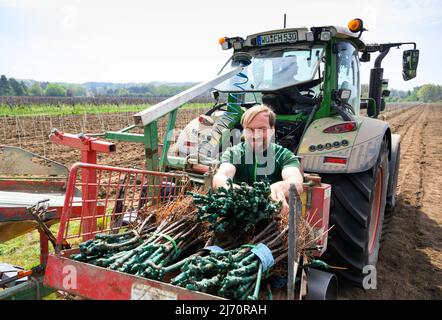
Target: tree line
(12, 87)
(425, 93)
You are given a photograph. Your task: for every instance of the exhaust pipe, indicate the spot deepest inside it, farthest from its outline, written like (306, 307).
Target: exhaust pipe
(321, 285)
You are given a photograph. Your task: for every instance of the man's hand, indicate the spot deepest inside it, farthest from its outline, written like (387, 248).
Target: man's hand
(291, 175)
(225, 171)
(280, 189)
(277, 195)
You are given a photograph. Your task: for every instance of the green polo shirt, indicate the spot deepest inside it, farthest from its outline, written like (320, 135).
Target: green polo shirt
(251, 167)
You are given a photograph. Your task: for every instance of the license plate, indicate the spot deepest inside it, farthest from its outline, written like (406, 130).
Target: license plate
(277, 38)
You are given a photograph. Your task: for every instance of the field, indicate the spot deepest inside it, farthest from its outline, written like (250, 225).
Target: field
(31, 132)
(410, 261)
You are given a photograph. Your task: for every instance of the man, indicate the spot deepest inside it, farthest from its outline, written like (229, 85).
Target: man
(259, 159)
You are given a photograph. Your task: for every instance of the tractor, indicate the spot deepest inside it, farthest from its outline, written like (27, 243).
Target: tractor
(311, 80)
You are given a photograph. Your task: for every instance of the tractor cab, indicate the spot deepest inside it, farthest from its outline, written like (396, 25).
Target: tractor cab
(285, 69)
(277, 76)
(303, 75)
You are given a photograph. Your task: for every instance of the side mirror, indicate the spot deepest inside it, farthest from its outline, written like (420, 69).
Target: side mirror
(410, 60)
(365, 57)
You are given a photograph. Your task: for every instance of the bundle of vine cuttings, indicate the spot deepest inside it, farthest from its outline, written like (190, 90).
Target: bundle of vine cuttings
(308, 235)
(238, 271)
(235, 273)
(145, 250)
(236, 209)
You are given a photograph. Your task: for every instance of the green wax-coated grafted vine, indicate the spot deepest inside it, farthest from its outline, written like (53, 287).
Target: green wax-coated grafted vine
(233, 274)
(144, 254)
(236, 208)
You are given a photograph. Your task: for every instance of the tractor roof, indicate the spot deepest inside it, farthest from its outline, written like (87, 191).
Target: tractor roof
(292, 36)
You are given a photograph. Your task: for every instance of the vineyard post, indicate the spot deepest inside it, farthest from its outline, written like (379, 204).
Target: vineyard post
(43, 135)
(50, 126)
(4, 127)
(33, 123)
(17, 130)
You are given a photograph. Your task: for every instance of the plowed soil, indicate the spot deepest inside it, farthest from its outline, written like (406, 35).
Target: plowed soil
(31, 133)
(410, 258)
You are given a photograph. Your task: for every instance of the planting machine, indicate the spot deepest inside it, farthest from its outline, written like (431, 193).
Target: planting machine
(32, 190)
(310, 78)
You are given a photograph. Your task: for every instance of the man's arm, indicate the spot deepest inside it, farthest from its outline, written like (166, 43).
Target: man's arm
(225, 171)
(281, 189)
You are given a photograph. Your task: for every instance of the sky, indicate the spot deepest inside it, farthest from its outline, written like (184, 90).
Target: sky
(177, 41)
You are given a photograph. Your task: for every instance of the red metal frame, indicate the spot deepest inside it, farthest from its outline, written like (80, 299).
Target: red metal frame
(98, 283)
(317, 211)
(118, 192)
(89, 147)
(141, 188)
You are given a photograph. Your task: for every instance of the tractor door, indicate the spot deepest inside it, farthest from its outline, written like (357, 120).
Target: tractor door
(348, 72)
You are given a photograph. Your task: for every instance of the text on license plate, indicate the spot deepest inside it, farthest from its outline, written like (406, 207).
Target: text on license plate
(277, 38)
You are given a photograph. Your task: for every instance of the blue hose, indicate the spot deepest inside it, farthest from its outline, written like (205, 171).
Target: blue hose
(228, 120)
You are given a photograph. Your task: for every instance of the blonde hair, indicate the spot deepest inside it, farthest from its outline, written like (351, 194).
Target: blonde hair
(251, 113)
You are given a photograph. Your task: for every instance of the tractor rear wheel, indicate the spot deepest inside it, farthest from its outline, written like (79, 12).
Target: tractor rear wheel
(357, 214)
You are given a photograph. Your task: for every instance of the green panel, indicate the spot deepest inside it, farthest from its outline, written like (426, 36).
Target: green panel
(121, 136)
(151, 146)
(330, 79)
(167, 136)
(290, 117)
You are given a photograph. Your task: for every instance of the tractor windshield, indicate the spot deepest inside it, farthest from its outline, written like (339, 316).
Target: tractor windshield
(272, 69)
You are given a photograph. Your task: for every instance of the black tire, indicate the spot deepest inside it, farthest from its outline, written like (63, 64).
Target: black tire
(352, 202)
